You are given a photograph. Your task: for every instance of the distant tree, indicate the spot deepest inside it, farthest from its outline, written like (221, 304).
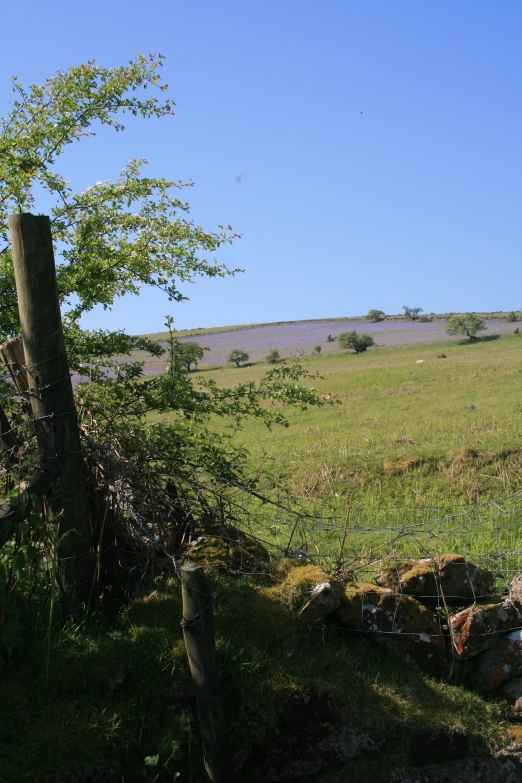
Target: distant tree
(375, 315)
(411, 312)
(468, 324)
(273, 356)
(357, 342)
(511, 317)
(190, 353)
(237, 356)
(317, 349)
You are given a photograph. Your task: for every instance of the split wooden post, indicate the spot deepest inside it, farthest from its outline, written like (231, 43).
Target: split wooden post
(198, 630)
(51, 396)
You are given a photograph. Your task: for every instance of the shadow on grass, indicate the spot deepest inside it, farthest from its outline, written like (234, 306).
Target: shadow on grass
(488, 338)
(120, 686)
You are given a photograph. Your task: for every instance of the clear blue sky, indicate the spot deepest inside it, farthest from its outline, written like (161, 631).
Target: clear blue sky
(418, 200)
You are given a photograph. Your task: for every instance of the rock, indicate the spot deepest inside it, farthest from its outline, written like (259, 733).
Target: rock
(478, 627)
(502, 662)
(449, 575)
(515, 588)
(322, 747)
(400, 622)
(475, 770)
(304, 588)
(300, 710)
(227, 547)
(512, 691)
(428, 747)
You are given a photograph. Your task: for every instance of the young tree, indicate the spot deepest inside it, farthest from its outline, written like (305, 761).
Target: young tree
(273, 356)
(468, 324)
(237, 356)
(111, 240)
(411, 312)
(375, 315)
(356, 342)
(317, 349)
(190, 353)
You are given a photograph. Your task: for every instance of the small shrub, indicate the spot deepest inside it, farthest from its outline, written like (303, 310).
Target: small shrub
(357, 342)
(317, 349)
(375, 315)
(441, 356)
(424, 319)
(237, 356)
(273, 356)
(511, 317)
(516, 331)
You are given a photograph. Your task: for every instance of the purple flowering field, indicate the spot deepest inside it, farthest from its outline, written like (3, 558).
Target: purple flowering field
(297, 337)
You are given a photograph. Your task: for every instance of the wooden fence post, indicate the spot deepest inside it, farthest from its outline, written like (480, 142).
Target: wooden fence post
(51, 396)
(198, 630)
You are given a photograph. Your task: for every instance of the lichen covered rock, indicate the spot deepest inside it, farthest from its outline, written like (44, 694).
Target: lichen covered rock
(227, 547)
(502, 662)
(305, 589)
(399, 622)
(479, 627)
(451, 576)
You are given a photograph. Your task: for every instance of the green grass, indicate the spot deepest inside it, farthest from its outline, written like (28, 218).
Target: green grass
(399, 445)
(397, 433)
(111, 696)
(408, 444)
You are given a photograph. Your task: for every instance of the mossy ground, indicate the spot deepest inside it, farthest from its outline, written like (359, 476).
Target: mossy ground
(119, 691)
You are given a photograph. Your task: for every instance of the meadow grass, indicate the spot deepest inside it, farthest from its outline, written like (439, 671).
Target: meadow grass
(397, 446)
(394, 432)
(397, 468)
(119, 692)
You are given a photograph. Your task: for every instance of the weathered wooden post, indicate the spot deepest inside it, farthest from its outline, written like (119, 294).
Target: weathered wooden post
(51, 396)
(198, 630)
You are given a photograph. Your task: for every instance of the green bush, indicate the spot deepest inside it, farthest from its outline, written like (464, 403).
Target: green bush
(375, 315)
(357, 342)
(237, 356)
(511, 317)
(273, 356)
(317, 349)
(467, 324)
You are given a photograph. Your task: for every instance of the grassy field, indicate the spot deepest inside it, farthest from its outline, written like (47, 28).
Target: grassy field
(398, 445)
(397, 461)
(394, 432)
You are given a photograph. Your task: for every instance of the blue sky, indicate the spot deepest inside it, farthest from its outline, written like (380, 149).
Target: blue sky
(417, 200)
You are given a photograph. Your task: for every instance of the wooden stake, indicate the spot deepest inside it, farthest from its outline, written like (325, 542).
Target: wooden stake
(198, 630)
(51, 396)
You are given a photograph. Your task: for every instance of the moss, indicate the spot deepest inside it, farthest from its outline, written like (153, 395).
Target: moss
(294, 582)
(225, 546)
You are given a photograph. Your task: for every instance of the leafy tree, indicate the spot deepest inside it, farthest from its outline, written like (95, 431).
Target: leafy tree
(190, 353)
(411, 312)
(273, 356)
(237, 356)
(468, 324)
(317, 349)
(375, 315)
(111, 240)
(356, 342)
(511, 317)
